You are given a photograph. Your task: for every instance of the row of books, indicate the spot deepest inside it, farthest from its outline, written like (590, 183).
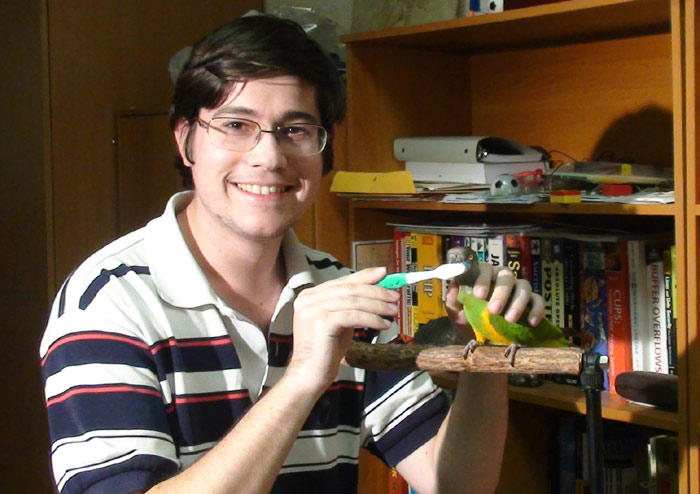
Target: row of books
(634, 460)
(614, 291)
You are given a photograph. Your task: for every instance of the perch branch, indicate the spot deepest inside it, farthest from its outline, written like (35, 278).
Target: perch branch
(449, 359)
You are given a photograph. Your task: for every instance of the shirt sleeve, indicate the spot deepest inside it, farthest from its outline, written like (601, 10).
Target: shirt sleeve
(403, 410)
(107, 418)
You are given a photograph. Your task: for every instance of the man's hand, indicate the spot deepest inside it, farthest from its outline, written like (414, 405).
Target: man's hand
(509, 294)
(325, 317)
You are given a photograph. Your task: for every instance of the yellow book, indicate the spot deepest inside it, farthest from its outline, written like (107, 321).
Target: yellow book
(429, 252)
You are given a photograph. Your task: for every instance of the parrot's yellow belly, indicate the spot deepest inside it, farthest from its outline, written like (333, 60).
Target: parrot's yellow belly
(489, 332)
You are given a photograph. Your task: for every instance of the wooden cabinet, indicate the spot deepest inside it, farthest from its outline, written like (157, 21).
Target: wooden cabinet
(692, 191)
(583, 77)
(86, 155)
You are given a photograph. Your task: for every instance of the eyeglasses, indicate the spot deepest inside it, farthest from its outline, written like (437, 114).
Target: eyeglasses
(239, 134)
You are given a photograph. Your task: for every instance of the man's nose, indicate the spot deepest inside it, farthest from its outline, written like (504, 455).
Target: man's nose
(267, 152)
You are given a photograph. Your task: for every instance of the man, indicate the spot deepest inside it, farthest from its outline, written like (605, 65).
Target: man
(203, 352)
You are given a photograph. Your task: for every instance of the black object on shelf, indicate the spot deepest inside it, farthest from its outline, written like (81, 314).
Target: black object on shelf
(660, 390)
(592, 383)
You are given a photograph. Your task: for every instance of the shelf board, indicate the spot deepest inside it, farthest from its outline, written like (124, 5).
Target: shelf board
(537, 208)
(559, 23)
(614, 407)
(571, 399)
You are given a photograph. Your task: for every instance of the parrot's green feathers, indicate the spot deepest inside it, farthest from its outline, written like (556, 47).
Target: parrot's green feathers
(498, 331)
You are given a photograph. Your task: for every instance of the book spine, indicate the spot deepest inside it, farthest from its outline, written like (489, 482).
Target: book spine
(536, 260)
(558, 282)
(480, 246)
(638, 304)
(496, 247)
(671, 340)
(412, 325)
(618, 293)
(572, 312)
(594, 313)
(547, 279)
(526, 258)
(429, 249)
(517, 259)
(656, 322)
(396, 485)
(399, 266)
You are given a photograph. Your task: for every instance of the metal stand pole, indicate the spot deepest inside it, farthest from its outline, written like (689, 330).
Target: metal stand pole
(592, 383)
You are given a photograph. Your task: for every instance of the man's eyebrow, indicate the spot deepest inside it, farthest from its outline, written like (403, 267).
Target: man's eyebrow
(290, 115)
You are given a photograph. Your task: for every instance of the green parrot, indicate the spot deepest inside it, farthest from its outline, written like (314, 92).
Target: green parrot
(493, 328)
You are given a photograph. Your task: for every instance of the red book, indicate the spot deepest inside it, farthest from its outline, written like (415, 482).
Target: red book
(619, 319)
(399, 266)
(397, 485)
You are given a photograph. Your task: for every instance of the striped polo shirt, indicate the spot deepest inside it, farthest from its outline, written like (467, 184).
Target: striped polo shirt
(145, 368)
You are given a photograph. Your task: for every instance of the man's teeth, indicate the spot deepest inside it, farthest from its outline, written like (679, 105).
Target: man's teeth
(261, 189)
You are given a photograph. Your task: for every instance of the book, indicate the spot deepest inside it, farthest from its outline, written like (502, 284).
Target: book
(657, 350)
(411, 290)
(572, 297)
(594, 313)
(468, 173)
(671, 340)
(518, 258)
(618, 295)
(639, 303)
(663, 464)
(396, 484)
(552, 263)
(496, 248)
(429, 292)
(400, 267)
(480, 246)
(536, 261)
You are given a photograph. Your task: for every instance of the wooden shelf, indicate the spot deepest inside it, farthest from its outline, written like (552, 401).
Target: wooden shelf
(573, 399)
(537, 208)
(559, 23)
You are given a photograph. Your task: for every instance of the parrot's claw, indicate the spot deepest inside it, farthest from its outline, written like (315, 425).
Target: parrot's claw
(510, 352)
(469, 348)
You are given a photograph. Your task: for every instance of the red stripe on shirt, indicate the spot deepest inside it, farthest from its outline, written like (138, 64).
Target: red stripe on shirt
(347, 385)
(117, 388)
(221, 341)
(180, 400)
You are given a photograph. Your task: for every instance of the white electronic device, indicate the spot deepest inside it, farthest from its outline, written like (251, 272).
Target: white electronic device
(463, 149)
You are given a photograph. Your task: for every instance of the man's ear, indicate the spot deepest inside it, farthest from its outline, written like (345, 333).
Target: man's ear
(181, 133)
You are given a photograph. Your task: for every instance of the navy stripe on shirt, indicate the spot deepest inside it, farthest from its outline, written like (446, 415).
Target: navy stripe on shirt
(103, 278)
(325, 263)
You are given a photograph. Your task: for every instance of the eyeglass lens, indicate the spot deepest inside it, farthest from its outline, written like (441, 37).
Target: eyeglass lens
(236, 134)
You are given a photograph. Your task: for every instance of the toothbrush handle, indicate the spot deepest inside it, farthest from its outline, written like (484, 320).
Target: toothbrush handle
(393, 281)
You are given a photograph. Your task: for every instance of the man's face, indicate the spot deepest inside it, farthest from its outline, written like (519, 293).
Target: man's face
(256, 194)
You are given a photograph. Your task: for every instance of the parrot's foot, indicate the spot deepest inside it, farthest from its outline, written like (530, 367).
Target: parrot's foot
(510, 352)
(469, 348)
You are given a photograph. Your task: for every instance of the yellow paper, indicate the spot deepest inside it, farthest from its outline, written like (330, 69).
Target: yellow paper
(373, 183)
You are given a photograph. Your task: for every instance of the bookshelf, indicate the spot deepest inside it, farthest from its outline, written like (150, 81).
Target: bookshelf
(583, 77)
(692, 189)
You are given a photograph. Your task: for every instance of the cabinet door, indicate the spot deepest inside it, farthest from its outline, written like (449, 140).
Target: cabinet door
(106, 59)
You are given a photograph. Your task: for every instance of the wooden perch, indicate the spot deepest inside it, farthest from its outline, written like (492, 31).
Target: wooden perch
(449, 359)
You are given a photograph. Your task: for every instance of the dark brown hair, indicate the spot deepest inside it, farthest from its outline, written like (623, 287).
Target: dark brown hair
(252, 47)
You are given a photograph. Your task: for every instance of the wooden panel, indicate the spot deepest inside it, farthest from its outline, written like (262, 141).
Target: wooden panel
(692, 134)
(23, 255)
(586, 100)
(331, 211)
(416, 93)
(147, 177)
(108, 58)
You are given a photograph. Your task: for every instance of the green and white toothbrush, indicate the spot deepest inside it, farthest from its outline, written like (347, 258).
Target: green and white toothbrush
(443, 272)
